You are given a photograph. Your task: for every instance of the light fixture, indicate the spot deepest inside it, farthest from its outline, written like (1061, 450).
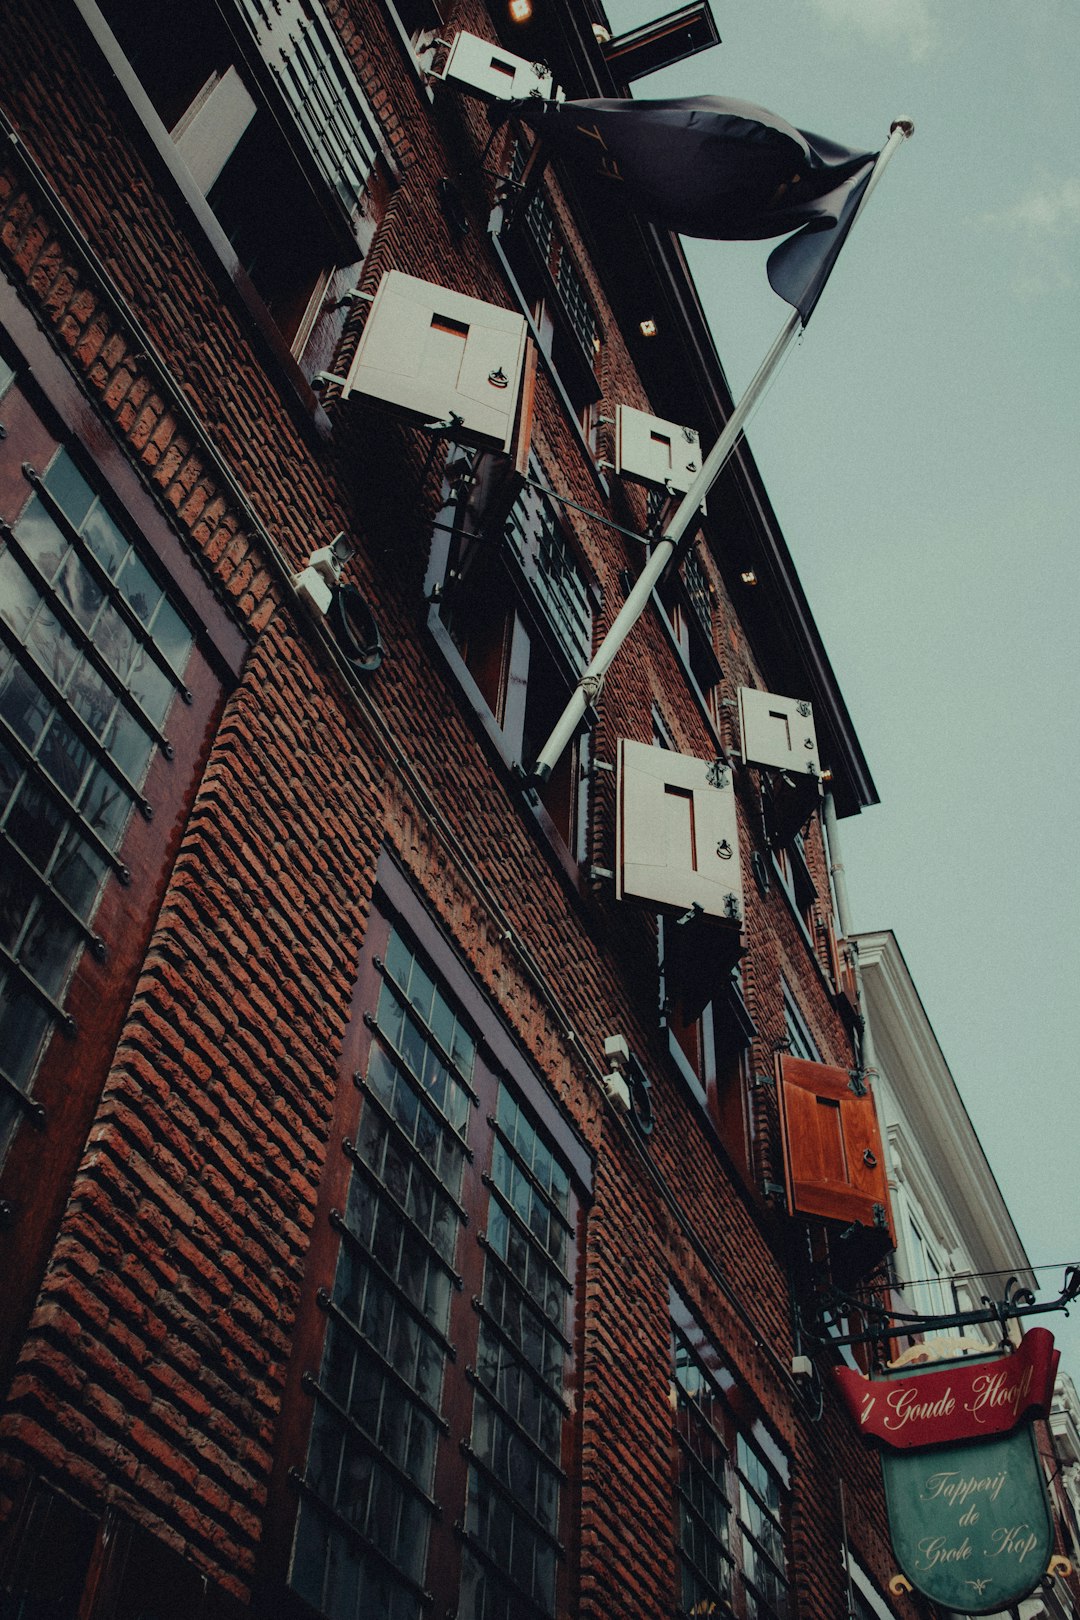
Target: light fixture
(748, 576)
(649, 328)
(520, 10)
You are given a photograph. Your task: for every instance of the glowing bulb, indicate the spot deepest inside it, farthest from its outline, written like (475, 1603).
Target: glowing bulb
(649, 328)
(520, 10)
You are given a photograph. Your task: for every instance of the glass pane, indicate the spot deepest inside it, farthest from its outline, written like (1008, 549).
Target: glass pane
(68, 488)
(104, 539)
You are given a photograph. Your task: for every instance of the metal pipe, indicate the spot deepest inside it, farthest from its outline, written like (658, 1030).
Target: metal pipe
(590, 683)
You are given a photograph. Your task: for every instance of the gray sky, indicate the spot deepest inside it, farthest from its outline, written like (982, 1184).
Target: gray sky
(921, 448)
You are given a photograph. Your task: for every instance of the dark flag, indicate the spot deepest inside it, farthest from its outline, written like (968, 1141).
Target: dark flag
(707, 166)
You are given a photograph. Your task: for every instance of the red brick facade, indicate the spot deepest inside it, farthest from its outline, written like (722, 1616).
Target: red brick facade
(169, 1225)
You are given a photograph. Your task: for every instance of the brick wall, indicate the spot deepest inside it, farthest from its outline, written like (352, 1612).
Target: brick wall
(152, 1372)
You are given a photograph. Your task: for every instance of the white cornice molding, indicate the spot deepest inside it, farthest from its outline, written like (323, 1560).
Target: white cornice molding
(944, 1165)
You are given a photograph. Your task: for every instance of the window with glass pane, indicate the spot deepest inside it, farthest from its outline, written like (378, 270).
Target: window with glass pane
(515, 1478)
(92, 656)
(730, 1488)
(434, 1467)
(362, 1535)
(517, 604)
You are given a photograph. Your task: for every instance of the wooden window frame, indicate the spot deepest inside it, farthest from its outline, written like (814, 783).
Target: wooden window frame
(36, 1175)
(522, 644)
(733, 1423)
(319, 325)
(499, 1064)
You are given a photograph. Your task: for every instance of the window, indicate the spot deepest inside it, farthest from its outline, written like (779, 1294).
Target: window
(114, 659)
(57, 1559)
(551, 278)
(864, 1600)
(688, 602)
(800, 1042)
(515, 613)
(450, 1325)
(931, 1291)
(266, 114)
(94, 650)
(731, 1488)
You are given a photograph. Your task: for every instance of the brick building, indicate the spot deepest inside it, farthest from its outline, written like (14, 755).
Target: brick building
(410, 1172)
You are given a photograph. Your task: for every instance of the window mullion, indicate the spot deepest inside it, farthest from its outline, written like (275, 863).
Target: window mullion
(537, 1310)
(52, 896)
(542, 1383)
(74, 719)
(376, 1182)
(40, 995)
(405, 1141)
(530, 1177)
(338, 1222)
(31, 1108)
(534, 1242)
(11, 739)
(132, 622)
(85, 645)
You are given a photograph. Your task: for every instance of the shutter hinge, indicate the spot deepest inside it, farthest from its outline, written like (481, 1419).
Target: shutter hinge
(765, 1080)
(881, 1218)
(773, 1189)
(856, 1083)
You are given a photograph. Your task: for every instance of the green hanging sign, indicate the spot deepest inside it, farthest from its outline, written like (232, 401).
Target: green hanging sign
(969, 1514)
(970, 1523)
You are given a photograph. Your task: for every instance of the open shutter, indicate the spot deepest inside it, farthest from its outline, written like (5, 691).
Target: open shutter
(678, 835)
(654, 451)
(778, 732)
(834, 1166)
(487, 70)
(435, 353)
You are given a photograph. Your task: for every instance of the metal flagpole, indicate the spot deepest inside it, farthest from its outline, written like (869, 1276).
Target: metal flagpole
(588, 688)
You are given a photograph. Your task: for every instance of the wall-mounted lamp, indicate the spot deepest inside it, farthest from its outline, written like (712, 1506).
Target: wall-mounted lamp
(520, 10)
(748, 576)
(648, 328)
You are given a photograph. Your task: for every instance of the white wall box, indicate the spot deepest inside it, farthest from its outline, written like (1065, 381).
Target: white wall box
(778, 732)
(432, 354)
(487, 70)
(652, 451)
(677, 839)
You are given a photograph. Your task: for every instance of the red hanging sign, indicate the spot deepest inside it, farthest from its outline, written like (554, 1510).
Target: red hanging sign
(964, 1401)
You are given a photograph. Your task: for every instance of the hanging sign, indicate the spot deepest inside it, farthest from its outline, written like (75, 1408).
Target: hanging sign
(965, 1400)
(969, 1515)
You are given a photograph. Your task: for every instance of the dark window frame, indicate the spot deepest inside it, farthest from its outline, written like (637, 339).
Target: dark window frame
(498, 699)
(296, 360)
(499, 1064)
(714, 1495)
(36, 1174)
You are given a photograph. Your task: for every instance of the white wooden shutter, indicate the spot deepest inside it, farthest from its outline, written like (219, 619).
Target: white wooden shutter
(678, 834)
(301, 47)
(655, 451)
(497, 75)
(211, 131)
(434, 353)
(778, 732)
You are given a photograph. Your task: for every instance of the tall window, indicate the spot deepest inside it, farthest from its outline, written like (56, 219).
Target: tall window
(441, 1400)
(517, 604)
(552, 280)
(93, 653)
(731, 1488)
(267, 116)
(115, 657)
